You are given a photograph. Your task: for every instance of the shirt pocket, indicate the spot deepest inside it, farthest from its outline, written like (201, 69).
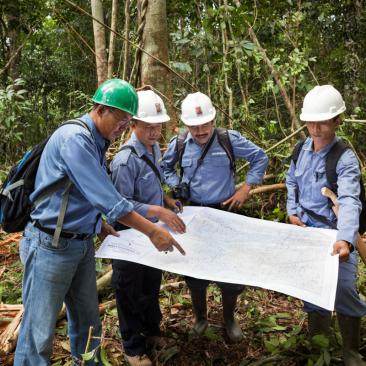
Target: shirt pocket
(217, 169)
(319, 180)
(146, 181)
(187, 167)
(222, 161)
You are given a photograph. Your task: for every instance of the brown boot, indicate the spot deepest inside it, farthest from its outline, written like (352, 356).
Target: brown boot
(319, 323)
(138, 360)
(232, 327)
(350, 330)
(199, 305)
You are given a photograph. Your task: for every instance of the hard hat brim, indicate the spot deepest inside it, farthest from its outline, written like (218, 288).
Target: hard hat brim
(319, 117)
(196, 121)
(153, 119)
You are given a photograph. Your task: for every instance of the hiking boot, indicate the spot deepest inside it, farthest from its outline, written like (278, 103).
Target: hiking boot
(139, 360)
(350, 331)
(200, 310)
(319, 323)
(156, 342)
(232, 327)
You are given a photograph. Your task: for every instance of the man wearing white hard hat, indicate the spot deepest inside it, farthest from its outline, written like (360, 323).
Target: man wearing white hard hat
(309, 172)
(137, 176)
(206, 156)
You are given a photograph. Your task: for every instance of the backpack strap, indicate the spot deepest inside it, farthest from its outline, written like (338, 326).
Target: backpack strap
(225, 142)
(296, 151)
(180, 146)
(332, 158)
(295, 157)
(145, 159)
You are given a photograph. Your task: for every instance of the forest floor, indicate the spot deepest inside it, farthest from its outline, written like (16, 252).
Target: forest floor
(274, 325)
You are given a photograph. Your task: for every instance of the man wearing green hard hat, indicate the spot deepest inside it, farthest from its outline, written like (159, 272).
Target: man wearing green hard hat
(57, 248)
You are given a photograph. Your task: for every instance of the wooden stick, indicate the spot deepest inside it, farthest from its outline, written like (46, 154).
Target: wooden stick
(166, 286)
(104, 281)
(9, 337)
(360, 245)
(267, 188)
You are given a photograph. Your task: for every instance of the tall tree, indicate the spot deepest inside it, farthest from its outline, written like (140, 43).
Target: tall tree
(155, 42)
(112, 38)
(99, 40)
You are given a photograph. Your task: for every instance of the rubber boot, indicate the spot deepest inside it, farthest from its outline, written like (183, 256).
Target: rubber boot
(232, 327)
(319, 323)
(200, 310)
(350, 330)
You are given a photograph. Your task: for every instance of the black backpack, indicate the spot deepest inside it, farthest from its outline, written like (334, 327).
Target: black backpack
(331, 162)
(223, 139)
(15, 206)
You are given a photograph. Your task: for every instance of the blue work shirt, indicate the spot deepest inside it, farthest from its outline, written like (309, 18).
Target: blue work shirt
(309, 177)
(214, 181)
(72, 151)
(136, 180)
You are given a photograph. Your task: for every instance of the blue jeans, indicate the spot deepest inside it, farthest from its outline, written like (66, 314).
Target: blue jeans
(51, 277)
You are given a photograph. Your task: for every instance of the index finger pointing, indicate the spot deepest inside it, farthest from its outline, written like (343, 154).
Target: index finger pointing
(177, 245)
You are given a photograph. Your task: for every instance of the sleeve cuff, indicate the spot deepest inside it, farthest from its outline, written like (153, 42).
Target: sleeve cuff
(253, 180)
(292, 212)
(142, 209)
(122, 208)
(351, 239)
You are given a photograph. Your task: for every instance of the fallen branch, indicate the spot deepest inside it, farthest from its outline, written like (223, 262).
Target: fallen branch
(106, 306)
(9, 337)
(11, 239)
(268, 188)
(11, 307)
(104, 281)
(267, 360)
(169, 285)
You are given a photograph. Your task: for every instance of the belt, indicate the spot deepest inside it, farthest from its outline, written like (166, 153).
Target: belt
(64, 234)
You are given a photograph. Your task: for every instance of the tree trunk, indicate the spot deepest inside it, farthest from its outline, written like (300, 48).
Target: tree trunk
(99, 40)
(112, 38)
(155, 41)
(126, 48)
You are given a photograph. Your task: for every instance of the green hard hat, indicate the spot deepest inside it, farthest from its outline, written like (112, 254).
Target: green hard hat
(119, 94)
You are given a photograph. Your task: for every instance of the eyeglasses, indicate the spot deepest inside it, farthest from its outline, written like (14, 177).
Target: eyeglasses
(123, 118)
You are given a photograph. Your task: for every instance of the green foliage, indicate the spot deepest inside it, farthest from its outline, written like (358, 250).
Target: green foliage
(11, 280)
(14, 107)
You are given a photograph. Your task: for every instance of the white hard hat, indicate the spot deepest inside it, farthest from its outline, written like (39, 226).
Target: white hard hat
(151, 108)
(322, 103)
(197, 109)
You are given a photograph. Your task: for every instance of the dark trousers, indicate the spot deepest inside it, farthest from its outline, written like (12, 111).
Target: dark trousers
(200, 285)
(137, 295)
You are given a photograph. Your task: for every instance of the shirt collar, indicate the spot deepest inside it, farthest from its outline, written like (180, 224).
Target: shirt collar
(308, 145)
(99, 139)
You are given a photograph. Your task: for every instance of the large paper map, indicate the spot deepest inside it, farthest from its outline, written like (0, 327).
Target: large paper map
(226, 247)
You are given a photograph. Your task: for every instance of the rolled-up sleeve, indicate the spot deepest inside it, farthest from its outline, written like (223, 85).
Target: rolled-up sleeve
(168, 163)
(291, 184)
(80, 160)
(348, 197)
(257, 158)
(124, 177)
